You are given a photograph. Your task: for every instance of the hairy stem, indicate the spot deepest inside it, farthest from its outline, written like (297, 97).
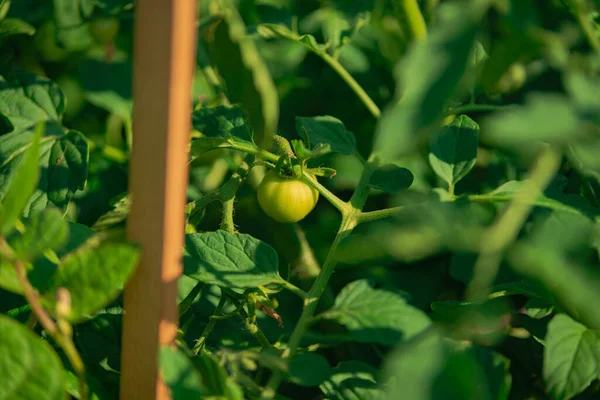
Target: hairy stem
(209, 327)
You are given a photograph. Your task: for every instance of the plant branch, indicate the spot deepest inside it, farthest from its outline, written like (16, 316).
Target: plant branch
(350, 81)
(209, 327)
(505, 230)
(370, 216)
(410, 13)
(64, 341)
(295, 289)
(338, 203)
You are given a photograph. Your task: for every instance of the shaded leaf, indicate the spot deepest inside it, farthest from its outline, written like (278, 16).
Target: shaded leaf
(230, 260)
(44, 231)
(453, 149)
(326, 130)
(391, 178)
(26, 99)
(375, 316)
(248, 81)
(29, 367)
(93, 275)
(179, 374)
(12, 26)
(21, 185)
(308, 369)
(222, 122)
(434, 368)
(352, 380)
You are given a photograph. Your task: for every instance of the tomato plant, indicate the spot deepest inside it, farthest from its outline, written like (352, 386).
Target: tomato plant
(453, 252)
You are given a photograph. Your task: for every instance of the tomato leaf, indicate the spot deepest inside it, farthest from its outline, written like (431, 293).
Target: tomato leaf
(309, 369)
(29, 366)
(326, 130)
(453, 149)
(26, 99)
(230, 260)
(248, 80)
(93, 275)
(222, 122)
(352, 380)
(437, 368)
(43, 231)
(375, 315)
(391, 178)
(571, 357)
(179, 374)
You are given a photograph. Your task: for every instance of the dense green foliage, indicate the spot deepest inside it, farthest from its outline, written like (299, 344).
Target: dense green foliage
(454, 252)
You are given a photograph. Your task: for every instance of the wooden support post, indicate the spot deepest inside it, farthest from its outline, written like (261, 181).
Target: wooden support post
(164, 59)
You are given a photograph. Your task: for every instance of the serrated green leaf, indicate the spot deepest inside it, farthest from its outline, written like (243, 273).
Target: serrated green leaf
(22, 184)
(327, 130)
(29, 367)
(94, 276)
(571, 357)
(352, 380)
(179, 374)
(26, 99)
(43, 231)
(375, 316)
(230, 260)
(538, 308)
(222, 122)
(247, 78)
(453, 149)
(308, 369)
(427, 77)
(63, 157)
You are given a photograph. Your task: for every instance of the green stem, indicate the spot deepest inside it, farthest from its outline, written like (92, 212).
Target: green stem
(189, 299)
(332, 198)
(505, 230)
(584, 22)
(209, 327)
(258, 334)
(64, 341)
(350, 81)
(379, 214)
(410, 13)
(295, 289)
(310, 305)
(227, 219)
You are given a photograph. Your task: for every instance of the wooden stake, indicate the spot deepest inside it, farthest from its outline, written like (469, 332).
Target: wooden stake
(164, 60)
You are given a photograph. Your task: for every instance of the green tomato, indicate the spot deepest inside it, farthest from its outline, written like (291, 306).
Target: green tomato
(104, 30)
(286, 200)
(73, 93)
(45, 43)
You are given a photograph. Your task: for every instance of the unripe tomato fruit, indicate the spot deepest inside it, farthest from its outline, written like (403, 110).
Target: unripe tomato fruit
(286, 200)
(104, 29)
